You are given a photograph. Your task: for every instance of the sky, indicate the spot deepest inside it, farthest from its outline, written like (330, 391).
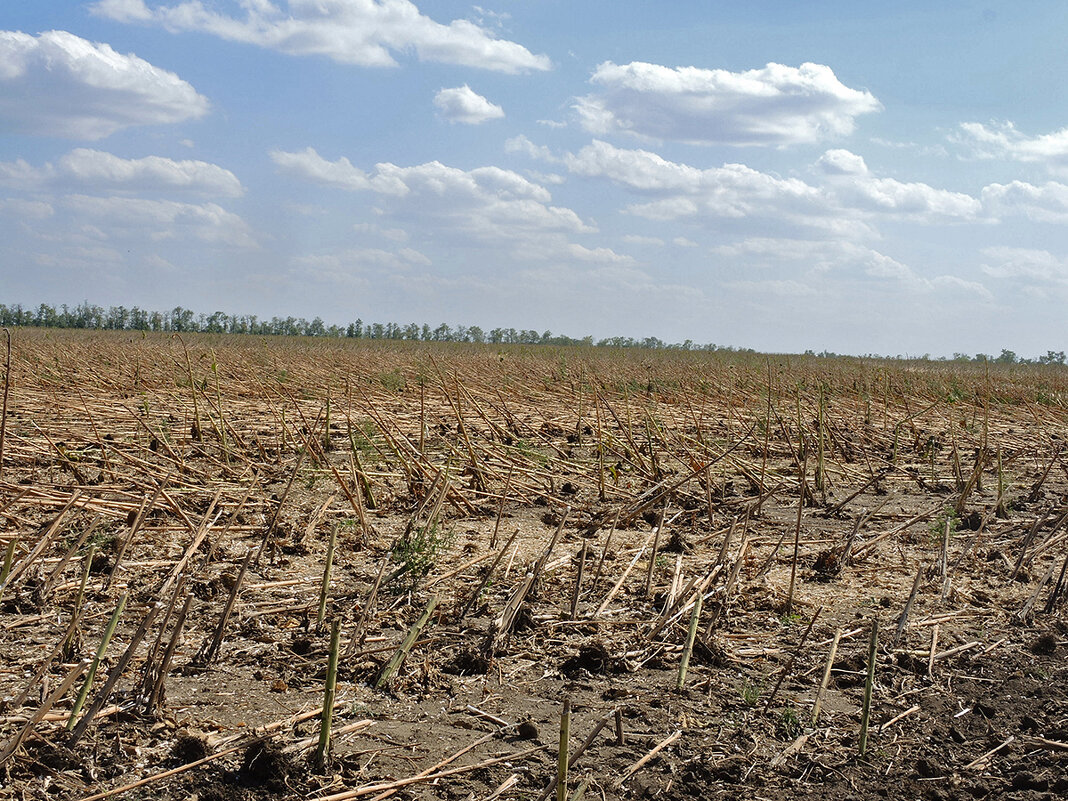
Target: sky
(857, 177)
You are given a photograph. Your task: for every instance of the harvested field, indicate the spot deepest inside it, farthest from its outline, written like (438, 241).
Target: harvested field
(688, 551)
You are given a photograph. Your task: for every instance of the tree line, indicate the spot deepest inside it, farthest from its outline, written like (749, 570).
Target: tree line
(180, 320)
(120, 318)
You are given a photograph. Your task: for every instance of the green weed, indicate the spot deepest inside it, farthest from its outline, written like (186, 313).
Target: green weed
(418, 551)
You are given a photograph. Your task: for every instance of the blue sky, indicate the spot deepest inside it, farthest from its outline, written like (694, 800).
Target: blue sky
(888, 178)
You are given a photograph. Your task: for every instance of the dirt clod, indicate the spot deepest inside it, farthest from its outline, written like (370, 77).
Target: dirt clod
(1044, 645)
(189, 748)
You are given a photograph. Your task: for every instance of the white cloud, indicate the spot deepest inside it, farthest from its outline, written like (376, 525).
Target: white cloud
(83, 167)
(486, 202)
(490, 208)
(833, 260)
(160, 220)
(598, 255)
(733, 191)
(26, 209)
(1047, 203)
(777, 249)
(1004, 141)
(856, 187)
(841, 162)
(683, 242)
(310, 166)
(353, 261)
(550, 178)
(938, 151)
(1024, 263)
(463, 104)
(521, 144)
(358, 32)
(58, 84)
(776, 105)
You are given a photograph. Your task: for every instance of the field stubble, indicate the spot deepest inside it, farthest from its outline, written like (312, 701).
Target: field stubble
(686, 551)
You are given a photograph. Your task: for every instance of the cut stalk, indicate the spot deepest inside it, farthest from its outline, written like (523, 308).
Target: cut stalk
(561, 755)
(323, 749)
(797, 540)
(578, 580)
(7, 390)
(88, 683)
(9, 557)
(691, 635)
(42, 710)
(826, 677)
(865, 715)
(395, 662)
(324, 591)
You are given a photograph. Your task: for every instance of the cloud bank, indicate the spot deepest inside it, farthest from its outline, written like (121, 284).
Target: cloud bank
(773, 106)
(361, 32)
(58, 84)
(98, 170)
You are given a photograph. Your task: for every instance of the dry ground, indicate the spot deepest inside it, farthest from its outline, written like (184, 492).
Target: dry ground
(561, 510)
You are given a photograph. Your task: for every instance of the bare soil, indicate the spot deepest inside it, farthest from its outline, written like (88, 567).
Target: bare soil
(459, 474)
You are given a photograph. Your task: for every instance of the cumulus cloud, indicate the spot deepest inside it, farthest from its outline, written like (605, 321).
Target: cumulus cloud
(362, 32)
(350, 262)
(1024, 263)
(83, 167)
(856, 187)
(58, 84)
(486, 202)
(521, 144)
(774, 106)
(812, 258)
(1005, 141)
(733, 191)
(1047, 203)
(310, 166)
(597, 255)
(161, 220)
(463, 104)
(510, 215)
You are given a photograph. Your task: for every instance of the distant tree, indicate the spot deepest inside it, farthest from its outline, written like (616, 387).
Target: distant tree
(181, 319)
(45, 316)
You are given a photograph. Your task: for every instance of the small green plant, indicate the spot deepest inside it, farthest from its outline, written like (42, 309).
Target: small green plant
(393, 381)
(788, 726)
(418, 551)
(362, 441)
(790, 618)
(311, 477)
(751, 692)
(532, 453)
(938, 528)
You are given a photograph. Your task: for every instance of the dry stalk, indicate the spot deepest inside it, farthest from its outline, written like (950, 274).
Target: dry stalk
(7, 391)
